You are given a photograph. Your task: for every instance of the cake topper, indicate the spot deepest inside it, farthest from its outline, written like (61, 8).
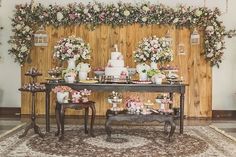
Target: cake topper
(116, 47)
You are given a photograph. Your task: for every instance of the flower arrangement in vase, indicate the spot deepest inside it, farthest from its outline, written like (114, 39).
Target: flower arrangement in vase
(62, 93)
(83, 69)
(155, 75)
(142, 69)
(84, 95)
(76, 96)
(153, 49)
(72, 49)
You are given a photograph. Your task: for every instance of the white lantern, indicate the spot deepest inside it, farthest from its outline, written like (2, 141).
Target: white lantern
(195, 37)
(40, 37)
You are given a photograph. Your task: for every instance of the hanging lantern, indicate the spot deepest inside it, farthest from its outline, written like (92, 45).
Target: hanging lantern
(40, 37)
(168, 37)
(195, 37)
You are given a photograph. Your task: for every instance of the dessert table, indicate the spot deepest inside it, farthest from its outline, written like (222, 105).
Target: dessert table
(102, 87)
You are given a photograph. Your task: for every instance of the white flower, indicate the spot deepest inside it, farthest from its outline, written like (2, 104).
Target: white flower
(210, 28)
(218, 45)
(96, 8)
(126, 13)
(14, 46)
(144, 19)
(18, 27)
(142, 68)
(176, 20)
(209, 55)
(59, 16)
(86, 11)
(23, 48)
(27, 28)
(198, 12)
(145, 8)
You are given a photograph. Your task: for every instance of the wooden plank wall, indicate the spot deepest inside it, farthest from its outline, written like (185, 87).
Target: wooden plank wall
(194, 69)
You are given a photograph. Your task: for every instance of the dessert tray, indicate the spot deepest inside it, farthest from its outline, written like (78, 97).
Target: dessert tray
(88, 81)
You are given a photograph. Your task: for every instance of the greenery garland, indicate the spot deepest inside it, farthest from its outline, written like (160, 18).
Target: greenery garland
(26, 17)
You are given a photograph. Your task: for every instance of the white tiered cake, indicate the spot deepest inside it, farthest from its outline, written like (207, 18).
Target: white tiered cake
(115, 66)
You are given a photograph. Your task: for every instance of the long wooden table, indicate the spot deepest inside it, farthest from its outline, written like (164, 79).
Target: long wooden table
(100, 87)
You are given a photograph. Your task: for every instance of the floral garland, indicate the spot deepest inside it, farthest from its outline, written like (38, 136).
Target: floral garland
(153, 49)
(25, 19)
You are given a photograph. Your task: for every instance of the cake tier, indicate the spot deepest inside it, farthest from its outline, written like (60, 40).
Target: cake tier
(115, 71)
(116, 55)
(116, 63)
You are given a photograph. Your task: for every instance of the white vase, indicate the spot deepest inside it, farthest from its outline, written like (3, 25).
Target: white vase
(71, 63)
(153, 65)
(143, 77)
(62, 97)
(82, 75)
(158, 80)
(70, 79)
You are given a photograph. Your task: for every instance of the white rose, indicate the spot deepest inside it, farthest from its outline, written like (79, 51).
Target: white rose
(209, 55)
(14, 46)
(27, 28)
(18, 27)
(59, 16)
(86, 11)
(198, 12)
(69, 51)
(145, 8)
(23, 49)
(144, 19)
(210, 28)
(218, 45)
(176, 20)
(126, 13)
(96, 8)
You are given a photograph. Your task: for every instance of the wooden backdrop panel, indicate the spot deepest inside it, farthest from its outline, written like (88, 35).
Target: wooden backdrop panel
(193, 67)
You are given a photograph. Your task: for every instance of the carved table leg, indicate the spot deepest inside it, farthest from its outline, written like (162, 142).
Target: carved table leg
(47, 106)
(181, 113)
(172, 128)
(26, 130)
(92, 119)
(108, 129)
(32, 125)
(62, 116)
(57, 112)
(86, 120)
(38, 131)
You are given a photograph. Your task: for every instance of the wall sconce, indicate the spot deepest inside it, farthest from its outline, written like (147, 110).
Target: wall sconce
(195, 37)
(40, 37)
(168, 37)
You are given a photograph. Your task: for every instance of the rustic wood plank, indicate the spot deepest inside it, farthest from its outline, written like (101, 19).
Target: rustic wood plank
(192, 66)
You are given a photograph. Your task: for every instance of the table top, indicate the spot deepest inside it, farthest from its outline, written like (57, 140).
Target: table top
(179, 88)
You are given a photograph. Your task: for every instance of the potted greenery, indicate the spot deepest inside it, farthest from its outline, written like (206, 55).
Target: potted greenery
(155, 75)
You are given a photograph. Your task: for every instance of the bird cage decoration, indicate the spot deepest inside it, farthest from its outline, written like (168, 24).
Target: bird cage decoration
(168, 37)
(40, 37)
(195, 37)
